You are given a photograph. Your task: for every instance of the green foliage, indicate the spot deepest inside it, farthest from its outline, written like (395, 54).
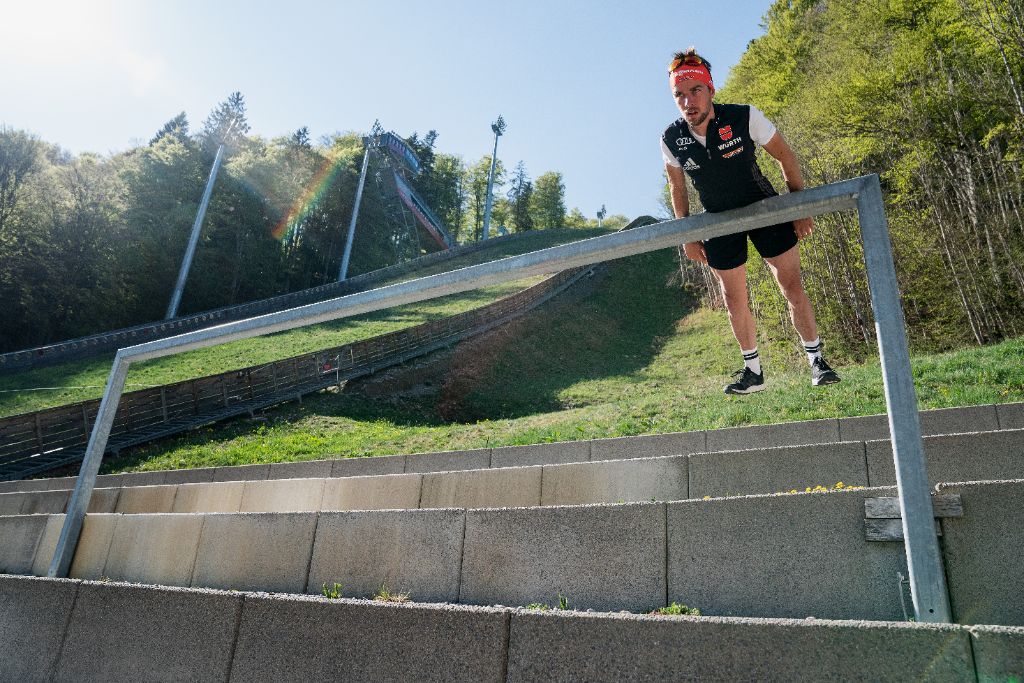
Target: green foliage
(675, 609)
(90, 243)
(547, 204)
(519, 195)
(332, 592)
(928, 95)
(384, 594)
(563, 604)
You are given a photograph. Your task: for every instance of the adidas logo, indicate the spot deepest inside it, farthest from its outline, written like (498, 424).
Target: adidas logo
(690, 165)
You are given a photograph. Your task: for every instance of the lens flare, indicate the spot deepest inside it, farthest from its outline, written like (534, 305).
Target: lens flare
(310, 197)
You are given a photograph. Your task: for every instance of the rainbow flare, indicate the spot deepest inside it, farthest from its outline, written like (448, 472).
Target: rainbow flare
(309, 198)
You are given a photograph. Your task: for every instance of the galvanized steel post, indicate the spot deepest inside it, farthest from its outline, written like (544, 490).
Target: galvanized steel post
(498, 127)
(79, 503)
(924, 561)
(343, 271)
(193, 240)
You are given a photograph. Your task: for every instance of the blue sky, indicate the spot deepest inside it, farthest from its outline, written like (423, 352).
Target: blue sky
(582, 85)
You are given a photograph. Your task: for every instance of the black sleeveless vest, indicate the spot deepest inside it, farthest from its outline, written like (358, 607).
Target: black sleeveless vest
(725, 172)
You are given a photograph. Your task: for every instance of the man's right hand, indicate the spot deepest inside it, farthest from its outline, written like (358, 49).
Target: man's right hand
(695, 252)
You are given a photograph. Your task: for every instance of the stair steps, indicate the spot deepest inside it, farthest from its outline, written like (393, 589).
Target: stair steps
(788, 583)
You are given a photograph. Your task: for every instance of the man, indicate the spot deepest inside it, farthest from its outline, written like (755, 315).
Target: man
(715, 146)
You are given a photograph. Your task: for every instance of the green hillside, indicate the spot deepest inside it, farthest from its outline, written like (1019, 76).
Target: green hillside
(623, 353)
(81, 380)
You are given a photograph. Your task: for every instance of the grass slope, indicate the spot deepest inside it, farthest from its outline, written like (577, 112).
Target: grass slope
(78, 381)
(624, 355)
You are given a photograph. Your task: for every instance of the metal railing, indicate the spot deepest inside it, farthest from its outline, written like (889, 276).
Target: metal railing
(111, 340)
(54, 437)
(927, 580)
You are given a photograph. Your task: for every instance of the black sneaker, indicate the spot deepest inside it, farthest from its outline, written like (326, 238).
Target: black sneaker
(822, 374)
(747, 382)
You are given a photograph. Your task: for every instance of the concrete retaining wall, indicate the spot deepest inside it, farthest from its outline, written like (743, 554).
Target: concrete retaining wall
(956, 457)
(221, 496)
(383, 492)
(783, 556)
(503, 487)
(20, 535)
(87, 631)
(256, 551)
(613, 648)
(157, 549)
(962, 457)
(867, 428)
(774, 471)
(596, 556)
(417, 552)
(34, 616)
(132, 633)
(614, 481)
(315, 640)
(982, 549)
(998, 652)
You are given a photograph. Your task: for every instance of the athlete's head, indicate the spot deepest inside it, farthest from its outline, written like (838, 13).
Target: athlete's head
(689, 78)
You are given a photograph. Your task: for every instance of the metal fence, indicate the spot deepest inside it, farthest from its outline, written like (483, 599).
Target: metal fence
(927, 579)
(40, 441)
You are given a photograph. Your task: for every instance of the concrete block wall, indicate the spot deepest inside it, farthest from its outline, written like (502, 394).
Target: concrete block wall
(982, 551)
(866, 428)
(419, 551)
(821, 565)
(957, 457)
(561, 647)
(780, 555)
(61, 630)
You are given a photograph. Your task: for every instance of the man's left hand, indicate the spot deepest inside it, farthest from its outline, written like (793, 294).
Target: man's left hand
(804, 227)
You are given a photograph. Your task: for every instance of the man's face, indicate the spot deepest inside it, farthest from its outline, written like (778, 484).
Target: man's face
(694, 101)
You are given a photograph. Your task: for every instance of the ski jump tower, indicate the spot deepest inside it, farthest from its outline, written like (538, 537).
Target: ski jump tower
(396, 164)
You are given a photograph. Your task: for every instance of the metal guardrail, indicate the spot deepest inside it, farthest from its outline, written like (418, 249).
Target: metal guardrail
(92, 345)
(36, 442)
(927, 580)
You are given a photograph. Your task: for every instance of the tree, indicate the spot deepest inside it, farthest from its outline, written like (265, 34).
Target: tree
(444, 190)
(576, 219)
(227, 123)
(476, 188)
(519, 194)
(300, 138)
(19, 159)
(178, 127)
(547, 204)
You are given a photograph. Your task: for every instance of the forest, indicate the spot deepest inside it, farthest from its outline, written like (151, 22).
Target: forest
(90, 243)
(926, 93)
(929, 95)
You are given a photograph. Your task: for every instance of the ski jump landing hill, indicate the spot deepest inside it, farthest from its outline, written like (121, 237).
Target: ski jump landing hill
(40, 441)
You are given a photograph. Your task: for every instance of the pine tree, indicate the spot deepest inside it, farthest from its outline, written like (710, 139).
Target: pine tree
(519, 195)
(178, 127)
(227, 123)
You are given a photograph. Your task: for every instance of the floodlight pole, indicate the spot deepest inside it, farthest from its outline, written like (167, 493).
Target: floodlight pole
(193, 240)
(343, 271)
(600, 215)
(498, 127)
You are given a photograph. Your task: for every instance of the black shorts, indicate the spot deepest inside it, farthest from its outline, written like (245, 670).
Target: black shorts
(730, 251)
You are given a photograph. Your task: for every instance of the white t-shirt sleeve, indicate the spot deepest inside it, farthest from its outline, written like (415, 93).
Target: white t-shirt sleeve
(667, 155)
(761, 129)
